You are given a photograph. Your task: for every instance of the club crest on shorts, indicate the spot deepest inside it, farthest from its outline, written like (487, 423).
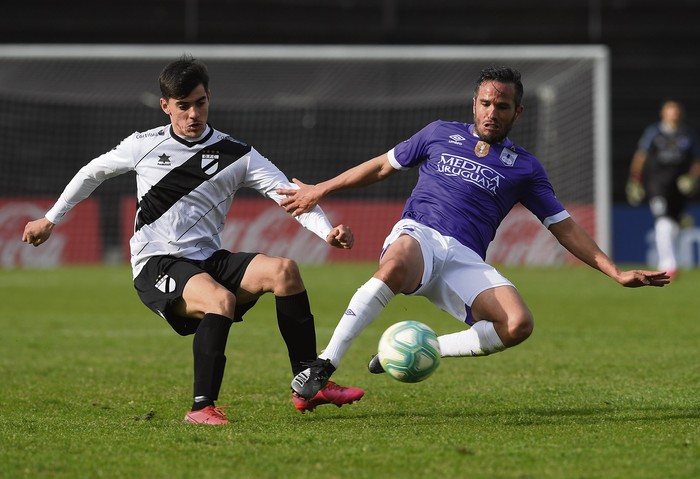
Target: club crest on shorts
(165, 283)
(482, 149)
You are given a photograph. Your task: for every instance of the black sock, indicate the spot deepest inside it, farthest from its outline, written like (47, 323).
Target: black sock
(200, 402)
(296, 324)
(208, 349)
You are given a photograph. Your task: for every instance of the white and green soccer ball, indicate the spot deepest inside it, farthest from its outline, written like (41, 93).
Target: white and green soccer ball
(409, 351)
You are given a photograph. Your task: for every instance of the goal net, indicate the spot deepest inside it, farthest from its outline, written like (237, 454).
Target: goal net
(314, 111)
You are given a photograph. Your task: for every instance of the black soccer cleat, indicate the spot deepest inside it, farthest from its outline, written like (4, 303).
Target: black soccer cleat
(374, 366)
(312, 379)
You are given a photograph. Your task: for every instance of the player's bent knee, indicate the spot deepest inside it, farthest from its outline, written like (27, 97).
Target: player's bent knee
(222, 302)
(397, 276)
(289, 269)
(288, 278)
(521, 328)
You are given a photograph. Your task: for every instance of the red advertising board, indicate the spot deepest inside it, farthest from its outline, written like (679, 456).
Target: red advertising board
(259, 225)
(76, 239)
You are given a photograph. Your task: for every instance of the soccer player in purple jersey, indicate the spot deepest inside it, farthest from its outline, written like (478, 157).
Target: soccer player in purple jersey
(471, 175)
(187, 174)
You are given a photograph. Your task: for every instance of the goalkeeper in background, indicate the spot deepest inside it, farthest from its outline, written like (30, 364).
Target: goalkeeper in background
(470, 177)
(187, 174)
(665, 170)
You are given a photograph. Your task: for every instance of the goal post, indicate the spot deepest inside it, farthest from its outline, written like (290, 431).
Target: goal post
(314, 111)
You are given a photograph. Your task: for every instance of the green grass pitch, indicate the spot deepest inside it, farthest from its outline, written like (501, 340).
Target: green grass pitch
(96, 386)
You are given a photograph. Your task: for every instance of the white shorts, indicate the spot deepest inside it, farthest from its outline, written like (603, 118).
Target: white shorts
(453, 275)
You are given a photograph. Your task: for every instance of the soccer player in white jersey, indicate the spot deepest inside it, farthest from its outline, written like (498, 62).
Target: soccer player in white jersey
(187, 174)
(471, 175)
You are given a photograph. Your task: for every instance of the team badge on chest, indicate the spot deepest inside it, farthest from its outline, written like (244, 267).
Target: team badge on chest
(210, 161)
(508, 157)
(482, 149)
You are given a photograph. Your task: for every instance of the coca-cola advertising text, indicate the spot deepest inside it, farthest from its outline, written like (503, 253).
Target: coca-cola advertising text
(76, 239)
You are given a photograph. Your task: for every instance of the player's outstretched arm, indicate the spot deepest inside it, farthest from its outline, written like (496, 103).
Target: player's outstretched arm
(37, 232)
(341, 237)
(304, 198)
(300, 200)
(580, 244)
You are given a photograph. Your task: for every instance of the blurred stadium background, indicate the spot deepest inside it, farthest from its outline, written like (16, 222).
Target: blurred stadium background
(651, 49)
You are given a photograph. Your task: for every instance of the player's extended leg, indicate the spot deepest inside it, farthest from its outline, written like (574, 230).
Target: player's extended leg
(205, 298)
(667, 212)
(281, 277)
(503, 321)
(498, 314)
(400, 270)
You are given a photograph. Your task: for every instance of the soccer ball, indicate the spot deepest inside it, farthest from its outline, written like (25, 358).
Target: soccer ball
(409, 351)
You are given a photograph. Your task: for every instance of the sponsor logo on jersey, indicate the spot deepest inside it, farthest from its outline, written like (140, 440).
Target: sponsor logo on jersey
(164, 160)
(456, 139)
(165, 283)
(482, 149)
(508, 157)
(150, 134)
(471, 171)
(210, 161)
(230, 138)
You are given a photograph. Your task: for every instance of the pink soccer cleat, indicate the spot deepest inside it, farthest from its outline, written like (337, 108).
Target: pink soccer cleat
(209, 415)
(331, 393)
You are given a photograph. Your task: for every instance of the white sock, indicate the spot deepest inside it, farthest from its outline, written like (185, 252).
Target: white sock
(366, 304)
(665, 232)
(479, 340)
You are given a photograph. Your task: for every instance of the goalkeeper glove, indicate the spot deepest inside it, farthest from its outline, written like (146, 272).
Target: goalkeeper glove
(686, 184)
(635, 192)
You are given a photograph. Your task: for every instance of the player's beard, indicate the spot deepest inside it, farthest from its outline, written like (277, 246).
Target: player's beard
(490, 138)
(498, 137)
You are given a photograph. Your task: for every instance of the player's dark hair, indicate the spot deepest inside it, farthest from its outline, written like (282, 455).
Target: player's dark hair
(503, 75)
(179, 78)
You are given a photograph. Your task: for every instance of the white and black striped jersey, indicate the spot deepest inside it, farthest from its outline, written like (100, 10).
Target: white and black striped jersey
(184, 190)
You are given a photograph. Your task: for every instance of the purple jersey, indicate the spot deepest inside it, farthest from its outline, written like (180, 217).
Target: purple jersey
(466, 186)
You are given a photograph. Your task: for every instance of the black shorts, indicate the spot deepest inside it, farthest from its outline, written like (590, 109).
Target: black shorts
(671, 205)
(162, 280)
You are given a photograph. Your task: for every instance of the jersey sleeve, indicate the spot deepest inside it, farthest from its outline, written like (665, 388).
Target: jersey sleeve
(89, 177)
(264, 177)
(541, 200)
(413, 151)
(647, 138)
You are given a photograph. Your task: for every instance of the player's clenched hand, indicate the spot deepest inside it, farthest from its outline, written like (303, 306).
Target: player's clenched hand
(637, 278)
(301, 200)
(37, 231)
(340, 237)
